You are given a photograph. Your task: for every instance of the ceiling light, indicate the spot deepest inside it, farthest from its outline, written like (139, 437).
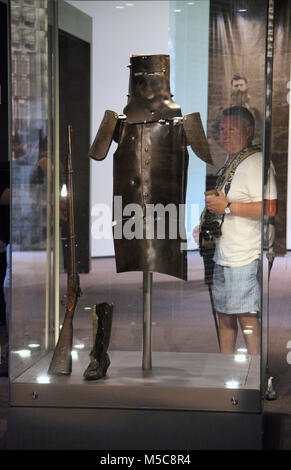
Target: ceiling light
(34, 345)
(247, 332)
(242, 350)
(79, 346)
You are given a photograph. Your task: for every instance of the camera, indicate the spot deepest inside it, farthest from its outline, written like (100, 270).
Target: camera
(211, 228)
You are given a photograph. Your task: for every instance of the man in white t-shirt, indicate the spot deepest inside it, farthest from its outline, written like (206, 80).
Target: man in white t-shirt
(236, 279)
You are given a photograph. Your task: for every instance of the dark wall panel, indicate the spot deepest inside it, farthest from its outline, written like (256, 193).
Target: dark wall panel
(280, 113)
(74, 64)
(3, 83)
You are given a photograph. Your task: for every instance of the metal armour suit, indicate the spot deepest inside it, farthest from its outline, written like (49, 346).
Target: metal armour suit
(150, 165)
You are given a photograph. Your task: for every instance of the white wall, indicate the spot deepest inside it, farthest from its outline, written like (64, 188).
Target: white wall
(189, 40)
(147, 27)
(117, 33)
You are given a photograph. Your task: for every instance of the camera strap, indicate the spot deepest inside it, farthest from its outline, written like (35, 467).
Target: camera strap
(226, 173)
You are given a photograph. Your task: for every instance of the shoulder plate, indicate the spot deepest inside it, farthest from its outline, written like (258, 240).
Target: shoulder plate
(104, 136)
(196, 138)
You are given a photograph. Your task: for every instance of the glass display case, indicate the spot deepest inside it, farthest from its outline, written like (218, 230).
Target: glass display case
(31, 184)
(176, 379)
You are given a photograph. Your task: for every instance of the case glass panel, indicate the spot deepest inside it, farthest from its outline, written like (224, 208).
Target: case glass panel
(31, 183)
(210, 45)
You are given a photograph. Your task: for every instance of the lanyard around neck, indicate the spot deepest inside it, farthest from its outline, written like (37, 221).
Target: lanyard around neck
(225, 175)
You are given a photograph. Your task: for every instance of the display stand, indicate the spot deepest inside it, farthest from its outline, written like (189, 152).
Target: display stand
(181, 404)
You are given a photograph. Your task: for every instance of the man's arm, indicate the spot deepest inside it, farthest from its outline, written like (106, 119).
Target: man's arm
(270, 207)
(216, 205)
(254, 209)
(246, 209)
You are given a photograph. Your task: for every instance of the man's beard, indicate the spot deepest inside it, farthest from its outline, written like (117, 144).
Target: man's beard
(239, 98)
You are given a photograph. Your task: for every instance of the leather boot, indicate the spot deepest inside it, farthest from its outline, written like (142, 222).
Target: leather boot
(99, 358)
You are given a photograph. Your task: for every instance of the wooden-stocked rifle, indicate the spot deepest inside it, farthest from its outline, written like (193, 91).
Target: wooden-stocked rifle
(61, 363)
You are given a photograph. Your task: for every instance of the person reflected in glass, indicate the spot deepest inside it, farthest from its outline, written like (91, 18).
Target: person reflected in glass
(236, 278)
(4, 265)
(4, 242)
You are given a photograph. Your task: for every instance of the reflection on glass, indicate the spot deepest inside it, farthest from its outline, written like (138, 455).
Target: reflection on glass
(31, 174)
(23, 353)
(228, 82)
(240, 358)
(247, 332)
(43, 379)
(79, 346)
(74, 355)
(64, 191)
(242, 350)
(232, 384)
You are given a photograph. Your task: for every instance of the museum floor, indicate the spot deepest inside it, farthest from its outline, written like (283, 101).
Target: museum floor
(182, 322)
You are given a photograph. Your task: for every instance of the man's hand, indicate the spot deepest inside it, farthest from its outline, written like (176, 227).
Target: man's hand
(217, 204)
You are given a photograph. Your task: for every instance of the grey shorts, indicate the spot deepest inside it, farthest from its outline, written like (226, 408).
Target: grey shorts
(237, 289)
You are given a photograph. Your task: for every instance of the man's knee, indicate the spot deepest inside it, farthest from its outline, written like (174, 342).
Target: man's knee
(249, 320)
(227, 321)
